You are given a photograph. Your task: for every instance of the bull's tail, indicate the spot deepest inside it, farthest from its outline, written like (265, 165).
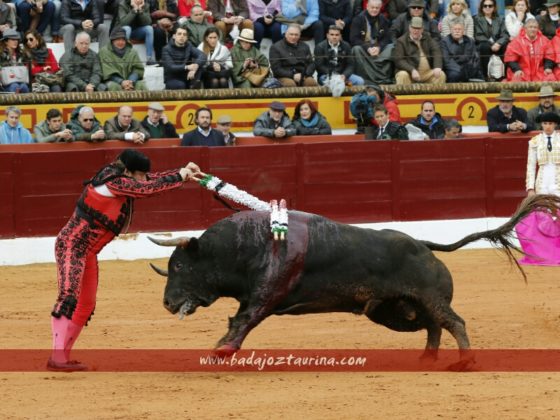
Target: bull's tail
(502, 236)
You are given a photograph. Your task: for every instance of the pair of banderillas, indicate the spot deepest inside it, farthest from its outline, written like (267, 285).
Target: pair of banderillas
(278, 211)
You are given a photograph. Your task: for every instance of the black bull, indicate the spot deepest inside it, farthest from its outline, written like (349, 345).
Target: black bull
(323, 266)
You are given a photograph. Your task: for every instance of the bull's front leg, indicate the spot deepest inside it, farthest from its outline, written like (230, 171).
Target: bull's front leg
(283, 271)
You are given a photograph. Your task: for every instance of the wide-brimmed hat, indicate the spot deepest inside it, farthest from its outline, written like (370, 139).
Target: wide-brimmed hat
(546, 91)
(277, 106)
(118, 33)
(247, 35)
(552, 3)
(11, 34)
(416, 22)
(417, 3)
(505, 95)
(548, 117)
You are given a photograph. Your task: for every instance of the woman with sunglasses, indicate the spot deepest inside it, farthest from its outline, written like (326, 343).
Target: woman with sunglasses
(217, 69)
(490, 33)
(42, 61)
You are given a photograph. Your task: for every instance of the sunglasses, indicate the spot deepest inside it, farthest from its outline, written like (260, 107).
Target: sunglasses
(30, 39)
(416, 7)
(488, 6)
(87, 120)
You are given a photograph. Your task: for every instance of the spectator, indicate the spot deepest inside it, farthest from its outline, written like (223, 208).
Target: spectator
(274, 123)
(12, 131)
(336, 13)
(549, 22)
(516, 18)
(81, 67)
(371, 45)
(385, 129)
(530, 56)
(291, 60)
(457, 11)
(185, 7)
(217, 68)
(416, 8)
(505, 117)
(124, 127)
(82, 16)
(224, 126)
(7, 17)
(36, 14)
(11, 54)
(546, 104)
(397, 7)
(196, 25)
(308, 21)
(461, 62)
(418, 57)
(308, 121)
(334, 56)
(53, 129)
(182, 62)
(135, 19)
(250, 66)
(203, 134)
(164, 20)
(430, 121)
(453, 129)
(43, 64)
(157, 124)
(85, 126)
(490, 33)
(362, 103)
(263, 14)
(229, 14)
(121, 65)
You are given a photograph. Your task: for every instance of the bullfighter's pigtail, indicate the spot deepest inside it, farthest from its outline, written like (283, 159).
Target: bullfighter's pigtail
(278, 214)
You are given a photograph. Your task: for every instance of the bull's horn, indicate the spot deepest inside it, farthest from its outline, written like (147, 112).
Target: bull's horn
(182, 242)
(158, 270)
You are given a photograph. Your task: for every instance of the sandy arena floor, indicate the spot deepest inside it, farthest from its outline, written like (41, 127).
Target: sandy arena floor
(501, 311)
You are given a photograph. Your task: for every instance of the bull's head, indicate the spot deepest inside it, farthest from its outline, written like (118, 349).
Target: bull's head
(186, 287)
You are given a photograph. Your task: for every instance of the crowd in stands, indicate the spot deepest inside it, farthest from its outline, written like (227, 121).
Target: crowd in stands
(216, 43)
(376, 113)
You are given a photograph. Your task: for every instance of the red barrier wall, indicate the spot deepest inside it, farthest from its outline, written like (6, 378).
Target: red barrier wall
(350, 181)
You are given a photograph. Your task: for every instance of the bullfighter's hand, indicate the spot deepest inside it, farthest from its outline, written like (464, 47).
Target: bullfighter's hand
(530, 193)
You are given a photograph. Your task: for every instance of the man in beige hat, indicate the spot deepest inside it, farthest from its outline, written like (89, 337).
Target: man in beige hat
(507, 118)
(157, 124)
(224, 125)
(415, 8)
(546, 104)
(418, 57)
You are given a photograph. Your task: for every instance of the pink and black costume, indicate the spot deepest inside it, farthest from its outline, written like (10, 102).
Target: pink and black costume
(103, 210)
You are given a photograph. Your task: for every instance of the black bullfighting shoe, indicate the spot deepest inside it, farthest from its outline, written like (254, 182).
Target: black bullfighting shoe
(70, 366)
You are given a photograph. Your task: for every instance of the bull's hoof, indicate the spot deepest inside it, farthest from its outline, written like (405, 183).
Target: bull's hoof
(225, 350)
(463, 365)
(429, 357)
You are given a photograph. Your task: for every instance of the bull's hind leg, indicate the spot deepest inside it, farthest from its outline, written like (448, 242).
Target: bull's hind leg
(433, 342)
(453, 323)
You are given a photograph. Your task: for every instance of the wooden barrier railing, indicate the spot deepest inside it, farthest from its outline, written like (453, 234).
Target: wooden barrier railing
(338, 176)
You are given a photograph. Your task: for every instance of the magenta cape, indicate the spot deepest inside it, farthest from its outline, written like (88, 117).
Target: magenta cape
(539, 236)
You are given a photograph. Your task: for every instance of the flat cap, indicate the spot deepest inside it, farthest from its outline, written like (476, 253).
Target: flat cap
(278, 106)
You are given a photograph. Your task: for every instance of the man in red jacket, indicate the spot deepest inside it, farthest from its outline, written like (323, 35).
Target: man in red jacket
(103, 210)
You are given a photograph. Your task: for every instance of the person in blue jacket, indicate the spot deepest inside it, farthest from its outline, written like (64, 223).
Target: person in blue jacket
(12, 131)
